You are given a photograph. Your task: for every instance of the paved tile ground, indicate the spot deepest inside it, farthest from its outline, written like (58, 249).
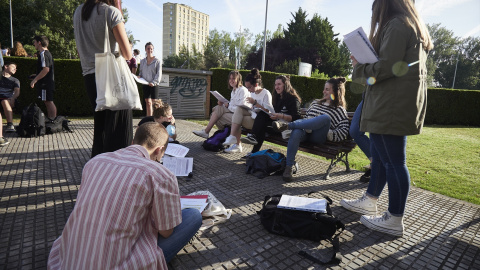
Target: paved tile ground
(40, 177)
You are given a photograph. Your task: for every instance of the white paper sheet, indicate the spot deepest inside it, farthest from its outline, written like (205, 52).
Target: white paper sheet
(302, 203)
(139, 80)
(360, 46)
(176, 150)
(219, 97)
(180, 166)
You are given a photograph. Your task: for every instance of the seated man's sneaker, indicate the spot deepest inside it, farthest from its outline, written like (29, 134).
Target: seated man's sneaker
(9, 128)
(385, 223)
(234, 148)
(3, 141)
(230, 140)
(201, 133)
(250, 139)
(279, 126)
(364, 205)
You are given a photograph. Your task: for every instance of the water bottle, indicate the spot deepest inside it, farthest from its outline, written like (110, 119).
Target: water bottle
(171, 130)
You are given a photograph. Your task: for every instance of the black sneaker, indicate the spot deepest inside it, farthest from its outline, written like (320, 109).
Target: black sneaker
(279, 126)
(9, 128)
(250, 139)
(365, 178)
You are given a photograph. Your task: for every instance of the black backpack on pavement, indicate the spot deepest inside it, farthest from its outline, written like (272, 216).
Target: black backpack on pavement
(314, 226)
(59, 124)
(215, 142)
(32, 122)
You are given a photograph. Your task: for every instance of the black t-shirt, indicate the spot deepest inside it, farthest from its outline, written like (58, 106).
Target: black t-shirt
(7, 85)
(45, 59)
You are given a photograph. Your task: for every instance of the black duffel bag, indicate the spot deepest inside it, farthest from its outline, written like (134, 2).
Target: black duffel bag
(315, 226)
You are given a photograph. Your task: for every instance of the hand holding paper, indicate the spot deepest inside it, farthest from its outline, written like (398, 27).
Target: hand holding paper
(360, 46)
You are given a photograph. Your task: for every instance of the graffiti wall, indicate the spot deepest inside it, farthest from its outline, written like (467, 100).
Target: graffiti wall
(186, 91)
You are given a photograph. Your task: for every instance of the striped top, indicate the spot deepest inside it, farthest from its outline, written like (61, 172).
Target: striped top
(338, 119)
(124, 200)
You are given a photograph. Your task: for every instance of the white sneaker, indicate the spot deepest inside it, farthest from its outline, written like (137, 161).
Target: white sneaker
(234, 148)
(230, 140)
(385, 223)
(201, 133)
(363, 205)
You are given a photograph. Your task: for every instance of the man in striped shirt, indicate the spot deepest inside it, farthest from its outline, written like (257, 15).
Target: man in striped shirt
(127, 214)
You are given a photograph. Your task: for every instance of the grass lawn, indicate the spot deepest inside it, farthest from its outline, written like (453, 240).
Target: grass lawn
(443, 159)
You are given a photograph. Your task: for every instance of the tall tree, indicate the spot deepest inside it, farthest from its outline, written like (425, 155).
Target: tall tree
(218, 50)
(53, 18)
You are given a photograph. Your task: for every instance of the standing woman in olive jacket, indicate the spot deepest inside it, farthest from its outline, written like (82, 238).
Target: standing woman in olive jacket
(286, 103)
(394, 107)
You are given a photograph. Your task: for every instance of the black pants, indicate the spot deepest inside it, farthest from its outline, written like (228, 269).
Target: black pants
(112, 130)
(262, 121)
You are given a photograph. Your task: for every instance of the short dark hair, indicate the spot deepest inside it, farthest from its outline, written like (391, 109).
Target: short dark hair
(136, 51)
(42, 39)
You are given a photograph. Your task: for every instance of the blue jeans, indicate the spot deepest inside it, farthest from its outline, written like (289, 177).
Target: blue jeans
(191, 222)
(389, 166)
(319, 126)
(360, 138)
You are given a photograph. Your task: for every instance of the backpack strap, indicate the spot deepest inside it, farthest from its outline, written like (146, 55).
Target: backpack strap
(337, 255)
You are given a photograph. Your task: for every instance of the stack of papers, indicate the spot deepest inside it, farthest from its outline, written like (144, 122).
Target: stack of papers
(198, 202)
(176, 161)
(303, 204)
(360, 46)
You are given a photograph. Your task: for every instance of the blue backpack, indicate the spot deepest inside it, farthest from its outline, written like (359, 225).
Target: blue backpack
(215, 143)
(266, 162)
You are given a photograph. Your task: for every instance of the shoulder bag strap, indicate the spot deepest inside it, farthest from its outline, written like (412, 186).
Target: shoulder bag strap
(106, 43)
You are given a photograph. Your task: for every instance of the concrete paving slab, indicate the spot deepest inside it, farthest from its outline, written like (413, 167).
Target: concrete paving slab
(40, 177)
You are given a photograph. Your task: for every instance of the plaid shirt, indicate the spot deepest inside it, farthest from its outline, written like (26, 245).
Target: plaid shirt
(124, 200)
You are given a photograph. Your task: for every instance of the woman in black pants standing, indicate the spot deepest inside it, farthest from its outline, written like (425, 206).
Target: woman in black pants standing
(112, 129)
(286, 103)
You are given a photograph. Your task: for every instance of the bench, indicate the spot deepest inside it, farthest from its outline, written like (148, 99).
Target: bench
(333, 151)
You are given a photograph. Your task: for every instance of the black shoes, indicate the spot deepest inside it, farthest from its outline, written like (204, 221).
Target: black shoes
(365, 178)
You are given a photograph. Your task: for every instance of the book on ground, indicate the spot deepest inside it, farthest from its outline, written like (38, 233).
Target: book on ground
(197, 203)
(303, 204)
(360, 46)
(219, 97)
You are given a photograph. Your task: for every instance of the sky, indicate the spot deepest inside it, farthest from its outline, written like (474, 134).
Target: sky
(462, 17)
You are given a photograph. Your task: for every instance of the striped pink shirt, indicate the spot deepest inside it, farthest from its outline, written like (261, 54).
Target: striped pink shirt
(124, 200)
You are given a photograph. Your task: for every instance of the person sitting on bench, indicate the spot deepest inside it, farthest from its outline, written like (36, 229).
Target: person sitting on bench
(286, 103)
(222, 113)
(260, 99)
(326, 119)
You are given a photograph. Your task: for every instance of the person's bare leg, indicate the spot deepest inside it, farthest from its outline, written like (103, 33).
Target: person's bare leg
(8, 111)
(51, 109)
(213, 119)
(149, 106)
(236, 131)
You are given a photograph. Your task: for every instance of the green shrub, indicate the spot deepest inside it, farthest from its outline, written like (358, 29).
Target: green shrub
(444, 106)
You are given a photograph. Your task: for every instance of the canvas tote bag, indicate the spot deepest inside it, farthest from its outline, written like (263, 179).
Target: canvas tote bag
(116, 87)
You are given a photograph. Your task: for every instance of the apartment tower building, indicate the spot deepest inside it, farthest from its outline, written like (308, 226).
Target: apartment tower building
(183, 26)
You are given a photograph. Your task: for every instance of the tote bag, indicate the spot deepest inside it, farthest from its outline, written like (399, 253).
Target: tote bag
(116, 87)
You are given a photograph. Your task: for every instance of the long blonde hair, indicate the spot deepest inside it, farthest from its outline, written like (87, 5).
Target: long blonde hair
(384, 10)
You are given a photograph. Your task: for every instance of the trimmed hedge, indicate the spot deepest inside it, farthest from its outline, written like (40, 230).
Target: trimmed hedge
(444, 106)
(70, 95)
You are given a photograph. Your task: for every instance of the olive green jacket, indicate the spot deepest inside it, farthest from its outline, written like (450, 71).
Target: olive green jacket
(395, 104)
